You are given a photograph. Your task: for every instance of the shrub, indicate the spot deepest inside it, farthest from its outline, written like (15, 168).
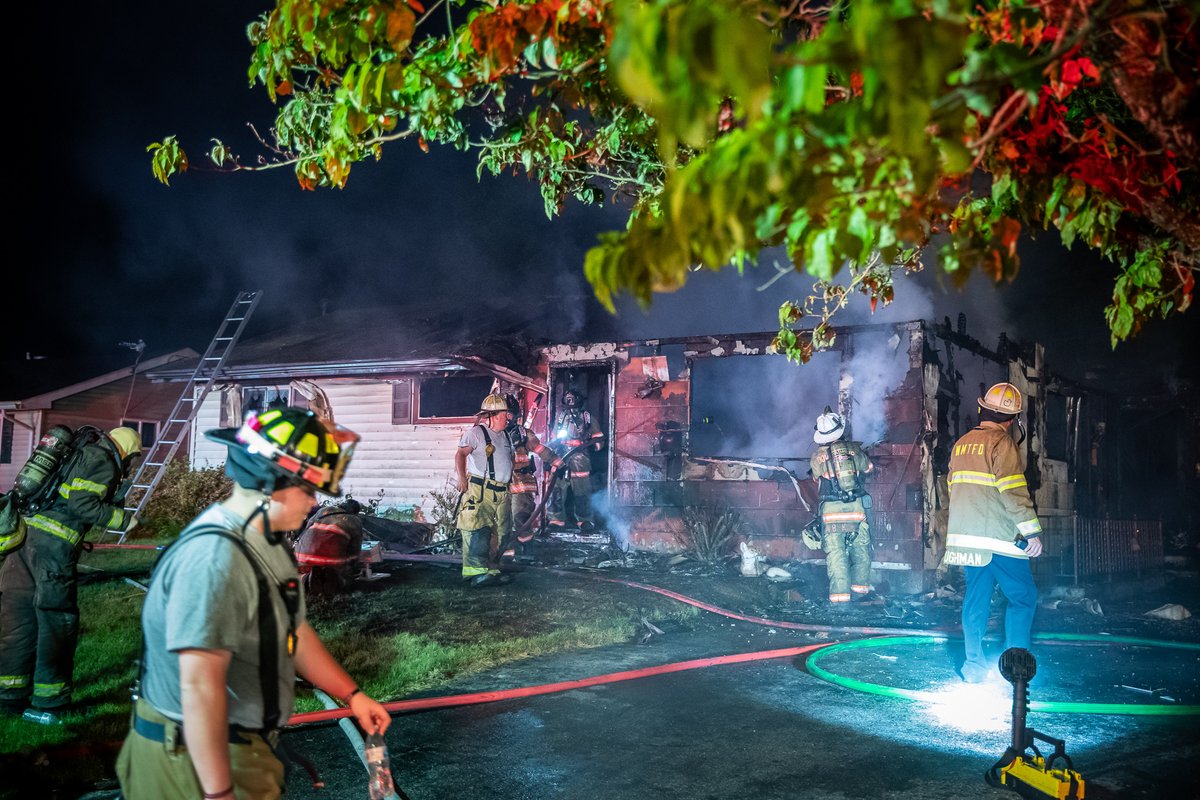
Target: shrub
(445, 509)
(709, 532)
(180, 496)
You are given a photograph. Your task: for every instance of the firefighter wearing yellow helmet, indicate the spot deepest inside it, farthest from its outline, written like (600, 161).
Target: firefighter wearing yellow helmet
(39, 618)
(225, 618)
(993, 529)
(838, 465)
(483, 465)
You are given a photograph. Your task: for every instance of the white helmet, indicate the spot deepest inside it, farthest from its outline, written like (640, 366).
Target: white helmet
(829, 428)
(1003, 398)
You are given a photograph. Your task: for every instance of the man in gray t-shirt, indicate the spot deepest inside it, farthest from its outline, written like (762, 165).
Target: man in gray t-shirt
(483, 464)
(204, 725)
(205, 595)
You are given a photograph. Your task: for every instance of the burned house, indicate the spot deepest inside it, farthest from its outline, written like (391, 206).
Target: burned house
(705, 422)
(720, 422)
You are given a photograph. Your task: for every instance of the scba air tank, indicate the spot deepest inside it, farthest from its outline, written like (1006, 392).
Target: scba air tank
(44, 461)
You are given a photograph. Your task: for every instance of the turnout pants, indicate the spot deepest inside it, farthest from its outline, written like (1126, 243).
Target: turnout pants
(521, 510)
(484, 519)
(846, 538)
(39, 623)
(578, 478)
(1016, 582)
(154, 763)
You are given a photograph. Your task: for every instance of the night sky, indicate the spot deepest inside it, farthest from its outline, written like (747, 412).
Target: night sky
(114, 256)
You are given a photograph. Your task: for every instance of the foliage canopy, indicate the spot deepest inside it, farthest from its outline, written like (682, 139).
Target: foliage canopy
(853, 134)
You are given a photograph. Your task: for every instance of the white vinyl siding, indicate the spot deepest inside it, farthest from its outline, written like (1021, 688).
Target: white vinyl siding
(406, 462)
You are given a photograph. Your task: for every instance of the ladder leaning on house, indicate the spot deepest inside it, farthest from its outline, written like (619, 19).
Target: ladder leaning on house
(156, 459)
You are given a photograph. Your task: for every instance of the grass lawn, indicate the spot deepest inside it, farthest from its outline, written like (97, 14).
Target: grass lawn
(411, 632)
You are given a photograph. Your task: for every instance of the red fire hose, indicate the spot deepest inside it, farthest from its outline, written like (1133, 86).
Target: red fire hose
(475, 698)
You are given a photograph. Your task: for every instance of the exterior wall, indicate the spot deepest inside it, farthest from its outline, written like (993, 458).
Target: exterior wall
(403, 462)
(102, 406)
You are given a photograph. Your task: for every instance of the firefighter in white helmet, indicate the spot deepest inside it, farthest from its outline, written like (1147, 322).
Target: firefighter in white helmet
(483, 464)
(838, 465)
(993, 529)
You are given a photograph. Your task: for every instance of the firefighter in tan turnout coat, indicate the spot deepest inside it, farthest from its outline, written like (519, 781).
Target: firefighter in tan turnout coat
(993, 528)
(839, 466)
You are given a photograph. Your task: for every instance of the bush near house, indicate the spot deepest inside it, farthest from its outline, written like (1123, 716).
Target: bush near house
(709, 533)
(179, 497)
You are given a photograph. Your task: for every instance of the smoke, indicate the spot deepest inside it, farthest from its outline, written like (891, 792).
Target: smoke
(876, 367)
(759, 406)
(614, 518)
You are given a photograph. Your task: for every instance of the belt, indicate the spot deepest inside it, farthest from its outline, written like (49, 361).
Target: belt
(493, 485)
(157, 732)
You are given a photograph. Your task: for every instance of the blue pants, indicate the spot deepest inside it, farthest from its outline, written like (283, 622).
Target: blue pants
(1016, 582)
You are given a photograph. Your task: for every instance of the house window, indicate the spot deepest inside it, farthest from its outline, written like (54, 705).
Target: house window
(1056, 426)
(6, 441)
(147, 429)
(758, 406)
(402, 402)
(456, 397)
(264, 398)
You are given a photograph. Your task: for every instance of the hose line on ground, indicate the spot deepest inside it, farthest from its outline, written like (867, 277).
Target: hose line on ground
(1052, 707)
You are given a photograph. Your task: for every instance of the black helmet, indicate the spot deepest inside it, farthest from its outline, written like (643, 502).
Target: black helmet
(514, 405)
(351, 506)
(287, 446)
(572, 398)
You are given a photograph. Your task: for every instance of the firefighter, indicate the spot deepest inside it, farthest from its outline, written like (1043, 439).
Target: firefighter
(483, 464)
(523, 488)
(572, 428)
(328, 550)
(993, 529)
(838, 465)
(39, 618)
(223, 625)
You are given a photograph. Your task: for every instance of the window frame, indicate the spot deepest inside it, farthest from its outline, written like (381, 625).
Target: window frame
(138, 425)
(418, 419)
(284, 392)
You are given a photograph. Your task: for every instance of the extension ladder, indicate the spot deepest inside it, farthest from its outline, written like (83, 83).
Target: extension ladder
(155, 460)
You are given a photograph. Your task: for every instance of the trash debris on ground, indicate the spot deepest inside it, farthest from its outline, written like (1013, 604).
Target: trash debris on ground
(778, 574)
(752, 561)
(649, 629)
(1171, 611)
(1156, 693)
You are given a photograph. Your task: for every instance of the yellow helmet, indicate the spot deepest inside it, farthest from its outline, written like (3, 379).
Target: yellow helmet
(494, 402)
(127, 440)
(1003, 398)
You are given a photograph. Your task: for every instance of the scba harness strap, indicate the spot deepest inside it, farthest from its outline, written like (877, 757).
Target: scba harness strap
(268, 630)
